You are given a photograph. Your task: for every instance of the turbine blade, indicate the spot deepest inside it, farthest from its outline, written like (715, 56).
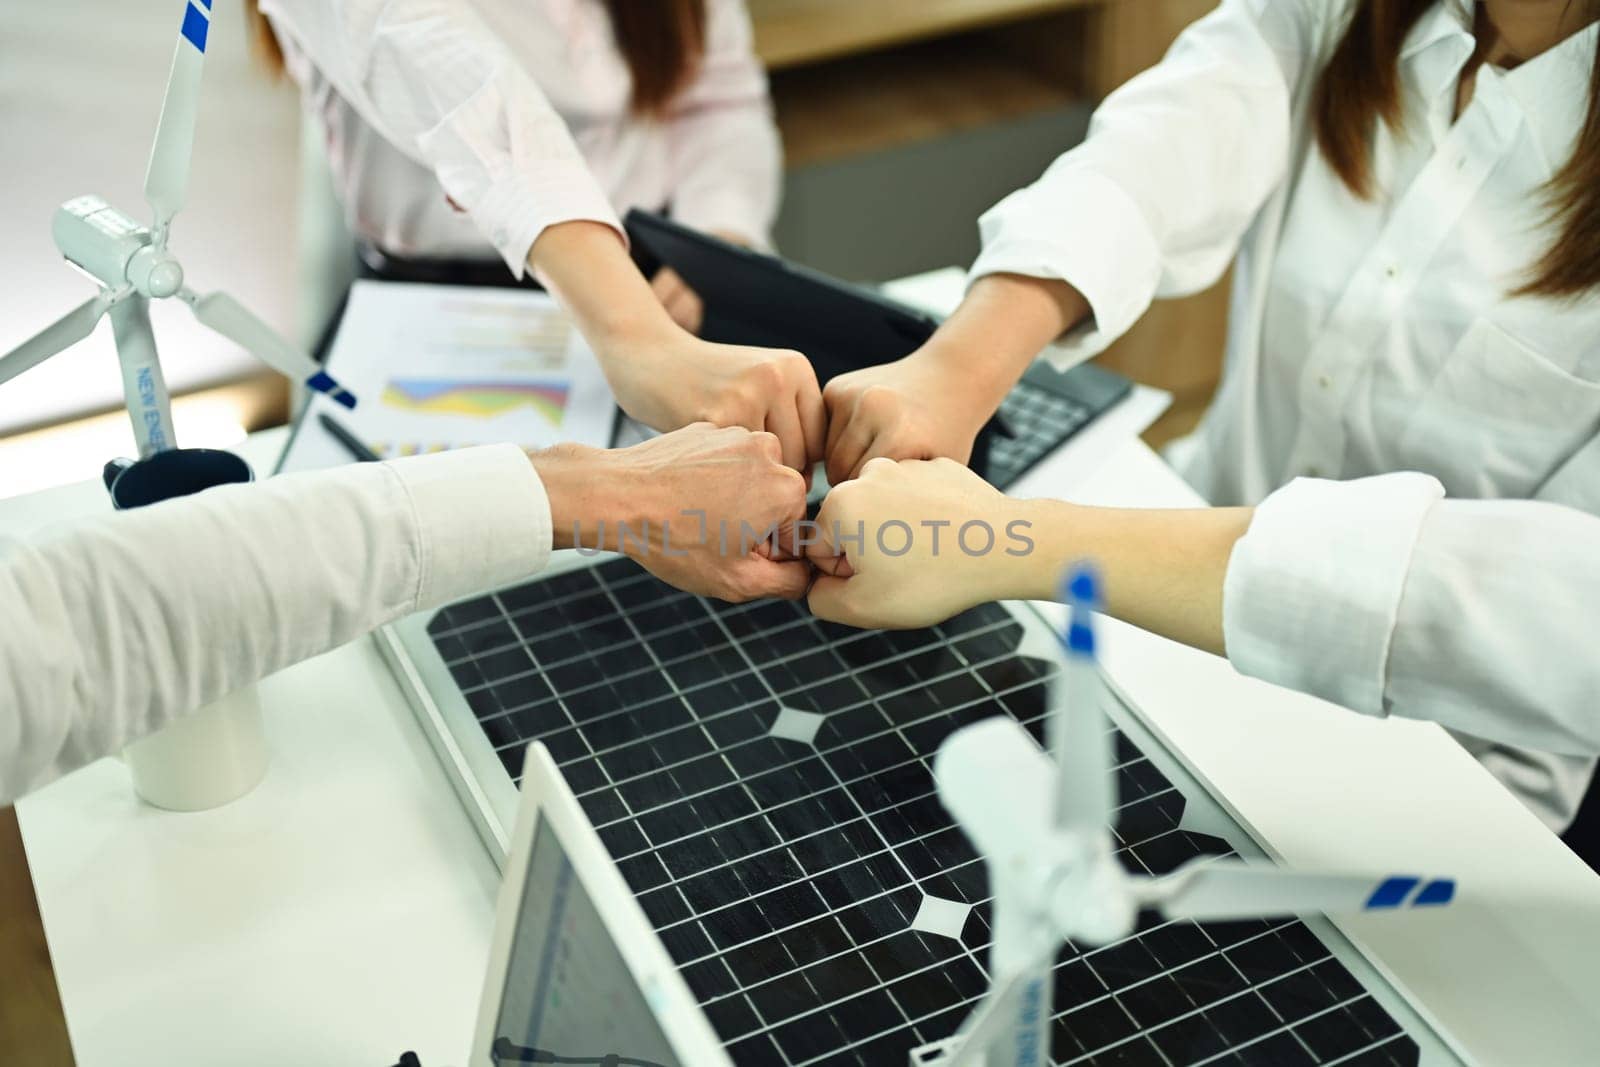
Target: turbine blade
(65, 332)
(1077, 731)
(233, 320)
(997, 784)
(167, 179)
(1236, 889)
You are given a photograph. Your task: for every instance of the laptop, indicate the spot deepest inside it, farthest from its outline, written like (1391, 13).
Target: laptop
(576, 973)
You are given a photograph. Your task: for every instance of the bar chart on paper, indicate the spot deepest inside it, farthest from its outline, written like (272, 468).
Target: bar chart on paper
(442, 367)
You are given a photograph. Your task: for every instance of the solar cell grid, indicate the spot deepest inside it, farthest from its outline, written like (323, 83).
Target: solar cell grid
(785, 876)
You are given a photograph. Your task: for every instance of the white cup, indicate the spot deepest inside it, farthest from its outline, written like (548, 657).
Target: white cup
(205, 759)
(218, 753)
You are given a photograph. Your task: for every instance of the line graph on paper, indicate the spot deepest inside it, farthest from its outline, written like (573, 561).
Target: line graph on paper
(478, 399)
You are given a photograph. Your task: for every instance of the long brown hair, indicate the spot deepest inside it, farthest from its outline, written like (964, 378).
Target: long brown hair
(661, 40)
(1361, 85)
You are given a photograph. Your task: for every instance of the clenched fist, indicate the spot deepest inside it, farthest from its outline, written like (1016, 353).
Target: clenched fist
(696, 507)
(913, 408)
(911, 543)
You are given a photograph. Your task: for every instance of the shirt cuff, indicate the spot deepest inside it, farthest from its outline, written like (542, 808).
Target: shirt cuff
(1080, 227)
(514, 170)
(1313, 588)
(515, 210)
(483, 521)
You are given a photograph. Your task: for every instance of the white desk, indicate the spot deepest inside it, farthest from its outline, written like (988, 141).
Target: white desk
(341, 912)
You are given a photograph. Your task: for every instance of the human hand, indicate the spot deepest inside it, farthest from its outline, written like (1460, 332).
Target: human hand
(697, 504)
(679, 298)
(911, 543)
(681, 302)
(675, 379)
(913, 408)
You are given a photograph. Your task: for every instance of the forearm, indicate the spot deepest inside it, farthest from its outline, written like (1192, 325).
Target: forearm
(999, 329)
(1163, 569)
(118, 626)
(587, 267)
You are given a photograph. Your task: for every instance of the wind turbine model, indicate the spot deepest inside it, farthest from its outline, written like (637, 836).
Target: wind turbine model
(133, 266)
(1043, 828)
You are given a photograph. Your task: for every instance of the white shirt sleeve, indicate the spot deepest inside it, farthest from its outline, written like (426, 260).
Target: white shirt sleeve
(113, 628)
(1176, 164)
(1382, 596)
(727, 156)
(436, 83)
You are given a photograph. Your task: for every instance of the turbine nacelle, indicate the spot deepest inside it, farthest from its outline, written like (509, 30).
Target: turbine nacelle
(114, 250)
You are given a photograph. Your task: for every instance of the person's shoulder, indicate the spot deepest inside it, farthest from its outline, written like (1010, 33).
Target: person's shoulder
(1307, 26)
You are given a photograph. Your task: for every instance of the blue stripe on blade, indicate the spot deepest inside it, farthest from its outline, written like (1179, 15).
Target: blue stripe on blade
(1391, 893)
(1439, 891)
(195, 27)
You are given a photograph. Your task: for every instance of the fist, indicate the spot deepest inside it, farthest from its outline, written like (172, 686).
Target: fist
(716, 503)
(908, 409)
(911, 543)
(670, 385)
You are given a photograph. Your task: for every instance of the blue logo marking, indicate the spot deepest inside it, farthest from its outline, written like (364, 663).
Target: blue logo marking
(1028, 1051)
(152, 413)
(196, 25)
(1391, 893)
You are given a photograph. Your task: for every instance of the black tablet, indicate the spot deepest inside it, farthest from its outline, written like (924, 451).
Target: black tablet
(756, 299)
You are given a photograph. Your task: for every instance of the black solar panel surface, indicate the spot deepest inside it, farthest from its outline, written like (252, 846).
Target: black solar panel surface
(784, 874)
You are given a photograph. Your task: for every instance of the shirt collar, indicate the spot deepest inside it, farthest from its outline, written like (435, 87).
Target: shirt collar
(1438, 46)
(1445, 20)
(1553, 91)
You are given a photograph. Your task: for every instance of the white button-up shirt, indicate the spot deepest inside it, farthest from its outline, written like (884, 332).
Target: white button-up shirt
(1367, 336)
(518, 111)
(111, 629)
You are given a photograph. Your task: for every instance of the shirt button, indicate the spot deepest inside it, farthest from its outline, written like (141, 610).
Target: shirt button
(500, 236)
(1313, 472)
(1324, 381)
(1391, 272)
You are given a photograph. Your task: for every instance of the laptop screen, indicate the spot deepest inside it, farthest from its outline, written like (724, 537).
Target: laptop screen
(569, 996)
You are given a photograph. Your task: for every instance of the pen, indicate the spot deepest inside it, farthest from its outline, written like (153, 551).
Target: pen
(350, 441)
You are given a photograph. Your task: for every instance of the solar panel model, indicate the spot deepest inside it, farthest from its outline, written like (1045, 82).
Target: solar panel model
(762, 780)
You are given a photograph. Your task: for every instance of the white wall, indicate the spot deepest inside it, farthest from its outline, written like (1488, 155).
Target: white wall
(80, 89)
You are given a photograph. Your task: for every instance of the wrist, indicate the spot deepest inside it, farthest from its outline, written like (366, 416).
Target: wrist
(1039, 549)
(586, 265)
(967, 392)
(632, 331)
(588, 493)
